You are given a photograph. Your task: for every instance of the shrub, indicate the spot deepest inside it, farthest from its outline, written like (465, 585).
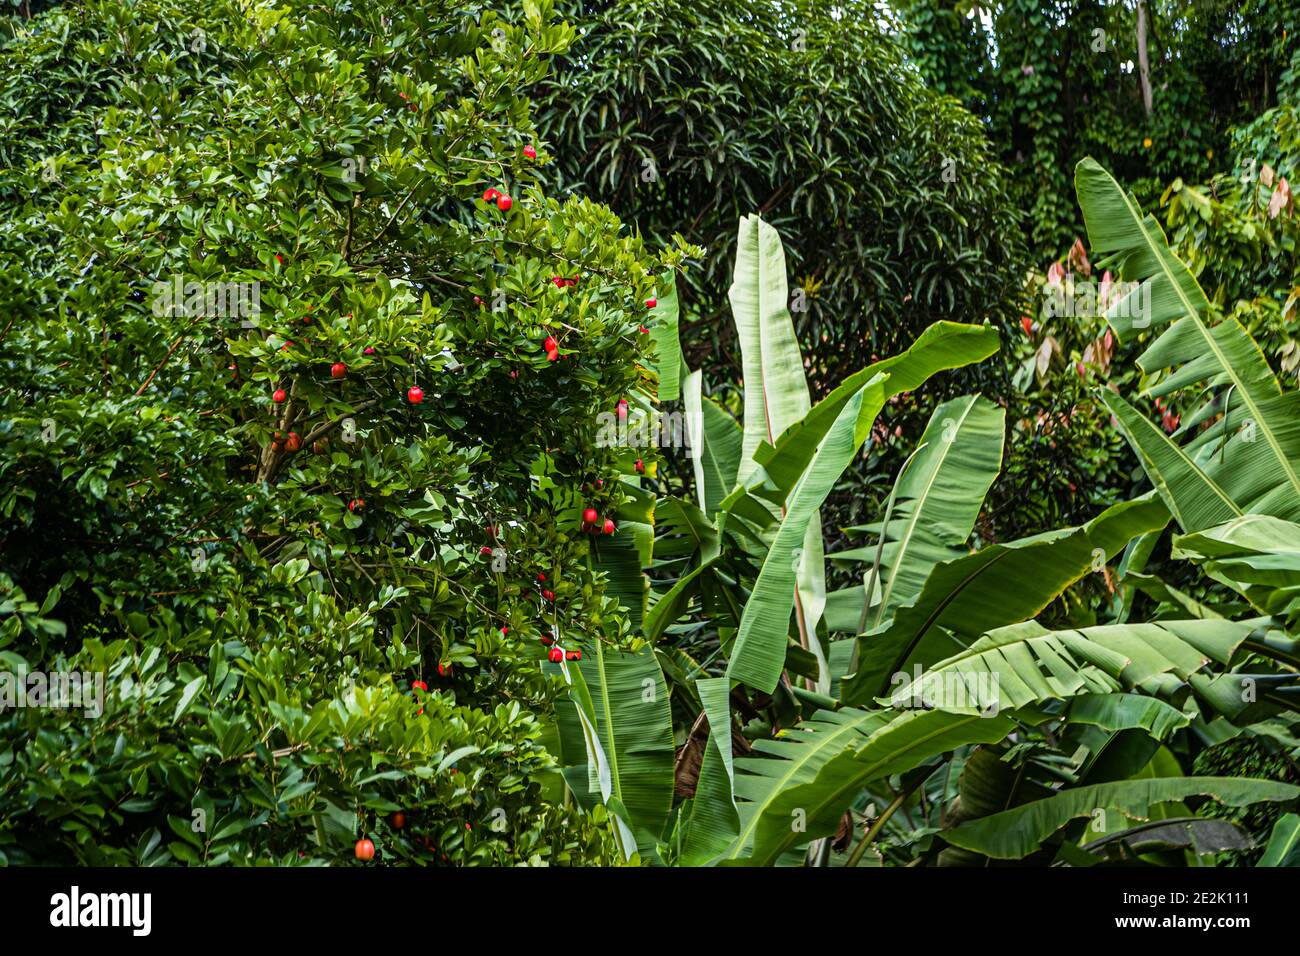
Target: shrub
(231, 506)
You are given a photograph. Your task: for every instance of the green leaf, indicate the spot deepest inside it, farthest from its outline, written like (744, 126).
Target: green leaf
(1018, 832)
(758, 656)
(664, 333)
(1283, 847)
(1249, 457)
(626, 703)
(998, 585)
(823, 763)
(714, 821)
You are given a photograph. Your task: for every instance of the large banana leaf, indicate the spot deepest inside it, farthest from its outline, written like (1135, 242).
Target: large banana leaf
(621, 722)
(1027, 664)
(713, 819)
(758, 656)
(823, 763)
(776, 392)
(776, 396)
(943, 345)
(1257, 555)
(1249, 457)
(715, 440)
(998, 585)
(1020, 831)
(937, 498)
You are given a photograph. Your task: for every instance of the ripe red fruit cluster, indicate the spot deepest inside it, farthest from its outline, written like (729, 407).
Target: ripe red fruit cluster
(548, 595)
(501, 199)
(443, 669)
(530, 151)
(651, 302)
(338, 370)
(561, 282)
(415, 395)
(356, 504)
(293, 442)
(419, 685)
(485, 551)
(557, 654)
(398, 820)
(640, 467)
(364, 850)
(278, 396)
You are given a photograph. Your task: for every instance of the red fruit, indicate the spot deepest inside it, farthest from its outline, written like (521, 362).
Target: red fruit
(547, 641)
(550, 344)
(443, 669)
(590, 516)
(505, 631)
(356, 504)
(398, 820)
(478, 300)
(600, 482)
(640, 467)
(504, 202)
(279, 258)
(548, 595)
(306, 320)
(558, 282)
(541, 577)
(530, 151)
(485, 551)
(552, 356)
(608, 527)
(365, 849)
(278, 396)
(644, 330)
(368, 350)
(490, 195)
(651, 302)
(622, 408)
(419, 685)
(293, 442)
(555, 655)
(285, 346)
(573, 655)
(1027, 324)
(1078, 369)
(338, 370)
(415, 395)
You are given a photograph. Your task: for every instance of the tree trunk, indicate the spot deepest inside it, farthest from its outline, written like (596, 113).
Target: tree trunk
(1144, 67)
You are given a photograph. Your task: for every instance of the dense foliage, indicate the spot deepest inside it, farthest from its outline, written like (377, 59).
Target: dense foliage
(373, 492)
(684, 117)
(1060, 81)
(262, 516)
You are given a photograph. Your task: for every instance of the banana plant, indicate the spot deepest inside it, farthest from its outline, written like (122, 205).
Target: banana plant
(1054, 723)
